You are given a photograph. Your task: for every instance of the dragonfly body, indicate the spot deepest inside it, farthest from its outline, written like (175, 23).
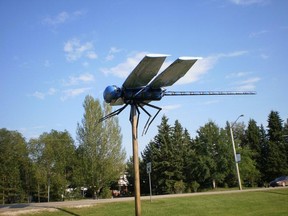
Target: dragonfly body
(118, 96)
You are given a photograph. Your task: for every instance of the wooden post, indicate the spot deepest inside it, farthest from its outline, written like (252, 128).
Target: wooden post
(134, 124)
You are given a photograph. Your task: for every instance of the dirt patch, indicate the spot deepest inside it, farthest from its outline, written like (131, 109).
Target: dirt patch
(80, 206)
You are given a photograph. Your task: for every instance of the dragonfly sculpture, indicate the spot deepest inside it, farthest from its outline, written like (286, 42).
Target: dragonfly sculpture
(140, 88)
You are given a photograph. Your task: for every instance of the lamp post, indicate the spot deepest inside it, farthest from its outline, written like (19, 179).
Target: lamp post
(234, 151)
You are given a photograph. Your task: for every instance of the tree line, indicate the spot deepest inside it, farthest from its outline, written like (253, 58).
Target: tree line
(42, 168)
(184, 164)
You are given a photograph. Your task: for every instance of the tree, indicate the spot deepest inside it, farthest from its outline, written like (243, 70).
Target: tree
(252, 139)
(158, 152)
(180, 144)
(285, 135)
(254, 152)
(14, 167)
(277, 157)
(213, 155)
(53, 156)
(167, 154)
(264, 151)
(275, 128)
(99, 146)
(250, 175)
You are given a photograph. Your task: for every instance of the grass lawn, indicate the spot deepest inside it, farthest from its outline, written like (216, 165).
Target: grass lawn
(270, 202)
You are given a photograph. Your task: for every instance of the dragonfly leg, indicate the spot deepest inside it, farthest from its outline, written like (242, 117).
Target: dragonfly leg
(148, 118)
(116, 112)
(147, 125)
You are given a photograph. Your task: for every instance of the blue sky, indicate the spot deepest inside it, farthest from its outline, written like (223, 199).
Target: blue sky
(54, 53)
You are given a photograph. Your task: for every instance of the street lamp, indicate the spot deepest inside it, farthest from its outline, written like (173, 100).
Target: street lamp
(234, 151)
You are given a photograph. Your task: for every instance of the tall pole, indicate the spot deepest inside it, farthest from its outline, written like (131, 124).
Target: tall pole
(134, 123)
(234, 151)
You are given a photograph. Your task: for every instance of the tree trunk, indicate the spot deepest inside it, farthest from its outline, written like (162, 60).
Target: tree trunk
(38, 188)
(214, 183)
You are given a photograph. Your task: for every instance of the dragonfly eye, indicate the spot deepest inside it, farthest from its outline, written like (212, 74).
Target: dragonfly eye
(111, 93)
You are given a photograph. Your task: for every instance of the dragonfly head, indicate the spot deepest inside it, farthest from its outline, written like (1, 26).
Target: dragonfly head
(111, 93)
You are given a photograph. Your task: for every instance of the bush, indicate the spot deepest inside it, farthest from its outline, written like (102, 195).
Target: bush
(195, 185)
(105, 193)
(179, 187)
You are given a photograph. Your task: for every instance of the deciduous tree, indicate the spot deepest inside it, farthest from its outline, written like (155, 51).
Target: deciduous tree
(100, 147)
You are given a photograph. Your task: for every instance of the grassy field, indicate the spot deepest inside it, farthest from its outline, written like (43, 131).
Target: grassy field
(270, 202)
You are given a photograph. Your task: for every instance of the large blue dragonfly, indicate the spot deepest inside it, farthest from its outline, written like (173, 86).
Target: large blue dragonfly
(143, 86)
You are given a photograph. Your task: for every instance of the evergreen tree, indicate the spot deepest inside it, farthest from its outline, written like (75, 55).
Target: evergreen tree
(167, 153)
(264, 151)
(277, 157)
(158, 152)
(253, 136)
(275, 128)
(179, 148)
(285, 136)
(253, 140)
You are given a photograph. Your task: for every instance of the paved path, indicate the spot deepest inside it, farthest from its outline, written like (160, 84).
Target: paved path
(18, 209)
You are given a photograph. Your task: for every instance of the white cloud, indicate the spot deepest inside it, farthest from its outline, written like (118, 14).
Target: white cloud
(166, 109)
(122, 70)
(264, 56)
(199, 68)
(39, 95)
(231, 54)
(62, 18)
(70, 93)
(257, 34)
(85, 64)
(248, 2)
(52, 91)
(58, 19)
(171, 107)
(248, 84)
(237, 75)
(91, 55)
(42, 95)
(203, 65)
(112, 51)
(83, 78)
(211, 102)
(75, 50)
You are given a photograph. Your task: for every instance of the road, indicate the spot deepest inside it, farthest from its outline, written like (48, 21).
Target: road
(18, 209)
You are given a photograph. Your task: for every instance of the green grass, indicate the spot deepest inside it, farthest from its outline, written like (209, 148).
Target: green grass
(270, 202)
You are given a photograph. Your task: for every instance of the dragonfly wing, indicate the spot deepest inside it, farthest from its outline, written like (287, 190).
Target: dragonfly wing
(174, 72)
(145, 71)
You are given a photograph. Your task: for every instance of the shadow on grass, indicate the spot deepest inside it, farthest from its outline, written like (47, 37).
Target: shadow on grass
(22, 206)
(59, 209)
(68, 212)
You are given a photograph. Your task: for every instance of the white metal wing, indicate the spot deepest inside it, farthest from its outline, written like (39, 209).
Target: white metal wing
(174, 72)
(145, 71)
